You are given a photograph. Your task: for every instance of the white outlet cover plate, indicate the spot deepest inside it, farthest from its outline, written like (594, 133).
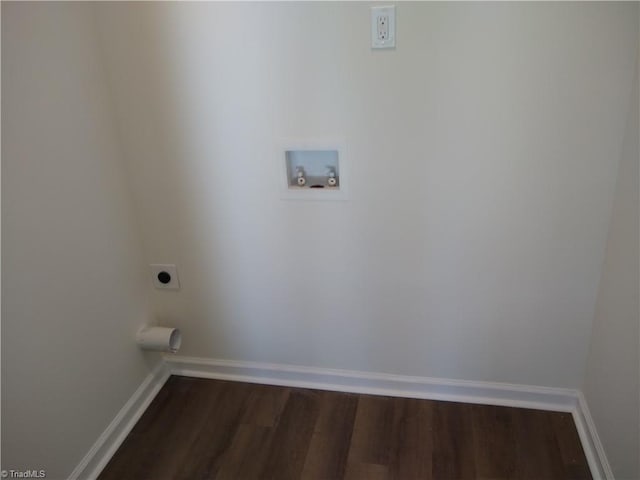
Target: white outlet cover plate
(172, 270)
(390, 13)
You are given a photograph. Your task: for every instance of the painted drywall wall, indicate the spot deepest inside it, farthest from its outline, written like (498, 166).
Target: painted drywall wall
(612, 384)
(483, 154)
(74, 288)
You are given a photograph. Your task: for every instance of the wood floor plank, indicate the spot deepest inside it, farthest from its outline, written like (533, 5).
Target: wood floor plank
(180, 417)
(370, 449)
(247, 453)
(290, 443)
(329, 447)
(265, 405)
(493, 436)
(210, 429)
(453, 450)
(366, 471)
(208, 447)
(573, 457)
(371, 439)
(536, 447)
(414, 439)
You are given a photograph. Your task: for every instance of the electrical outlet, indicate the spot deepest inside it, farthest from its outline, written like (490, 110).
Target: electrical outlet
(165, 276)
(383, 27)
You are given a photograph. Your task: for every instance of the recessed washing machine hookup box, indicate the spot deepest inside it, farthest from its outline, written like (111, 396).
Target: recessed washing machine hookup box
(314, 173)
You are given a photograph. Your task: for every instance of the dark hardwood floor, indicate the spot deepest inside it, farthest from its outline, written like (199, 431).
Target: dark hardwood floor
(211, 429)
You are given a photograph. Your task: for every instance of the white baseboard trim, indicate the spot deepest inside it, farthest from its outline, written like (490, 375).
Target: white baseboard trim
(524, 396)
(591, 444)
(105, 447)
(488, 393)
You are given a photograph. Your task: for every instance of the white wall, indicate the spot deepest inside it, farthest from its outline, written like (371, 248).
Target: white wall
(612, 385)
(73, 281)
(483, 153)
